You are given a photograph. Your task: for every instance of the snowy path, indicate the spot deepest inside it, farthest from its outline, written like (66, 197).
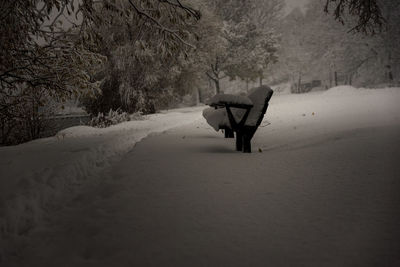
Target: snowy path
(324, 192)
(166, 204)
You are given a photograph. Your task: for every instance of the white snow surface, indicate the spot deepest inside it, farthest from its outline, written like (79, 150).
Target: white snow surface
(323, 192)
(342, 90)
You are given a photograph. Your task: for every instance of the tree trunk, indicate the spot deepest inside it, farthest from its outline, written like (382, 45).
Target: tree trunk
(389, 68)
(217, 87)
(299, 83)
(261, 79)
(199, 96)
(292, 84)
(336, 79)
(3, 132)
(390, 74)
(247, 85)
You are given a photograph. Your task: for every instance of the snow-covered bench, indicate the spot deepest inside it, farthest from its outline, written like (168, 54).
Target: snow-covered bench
(239, 114)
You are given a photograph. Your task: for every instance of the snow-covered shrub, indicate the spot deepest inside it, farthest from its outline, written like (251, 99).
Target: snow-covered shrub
(26, 115)
(137, 116)
(113, 117)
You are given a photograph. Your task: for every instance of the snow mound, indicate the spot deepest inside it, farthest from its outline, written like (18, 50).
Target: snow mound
(281, 89)
(342, 90)
(85, 131)
(78, 131)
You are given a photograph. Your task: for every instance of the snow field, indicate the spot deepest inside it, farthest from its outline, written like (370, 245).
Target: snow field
(300, 119)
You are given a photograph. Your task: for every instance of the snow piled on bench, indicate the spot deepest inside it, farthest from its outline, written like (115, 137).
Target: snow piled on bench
(257, 96)
(218, 118)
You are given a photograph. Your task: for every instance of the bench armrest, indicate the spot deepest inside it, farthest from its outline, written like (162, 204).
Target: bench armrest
(228, 101)
(223, 104)
(222, 99)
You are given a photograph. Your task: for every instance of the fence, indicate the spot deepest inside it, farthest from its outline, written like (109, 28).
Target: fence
(306, 86)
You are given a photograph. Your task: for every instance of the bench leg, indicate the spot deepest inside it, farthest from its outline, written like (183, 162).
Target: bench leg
(239, 141)
(246, 144)
(229, 133)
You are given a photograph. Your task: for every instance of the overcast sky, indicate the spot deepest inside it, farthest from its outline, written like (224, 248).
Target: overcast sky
(290, 4)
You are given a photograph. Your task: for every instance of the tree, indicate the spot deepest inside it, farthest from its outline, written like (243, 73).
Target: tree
(293, 54)
(316, 47)
(248, 43)
(142, 60)
(368, 12)
(253, 49)
(210, 44)
(370, 59)
(38, 58)
(53, 45)
(386, 41)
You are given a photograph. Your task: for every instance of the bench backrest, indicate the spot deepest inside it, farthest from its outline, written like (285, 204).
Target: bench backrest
(260, 97)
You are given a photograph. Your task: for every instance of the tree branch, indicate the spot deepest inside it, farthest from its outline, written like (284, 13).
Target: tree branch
(174, 33)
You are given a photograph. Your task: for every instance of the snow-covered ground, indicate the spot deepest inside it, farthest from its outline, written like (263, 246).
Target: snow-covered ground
(35, 174)
(323, 192)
